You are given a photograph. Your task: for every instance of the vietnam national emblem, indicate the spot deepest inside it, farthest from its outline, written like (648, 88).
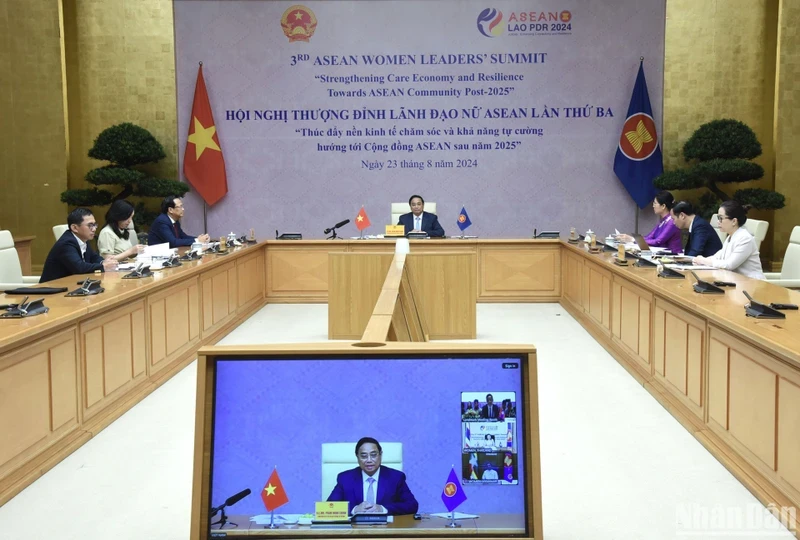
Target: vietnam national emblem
(298, 23)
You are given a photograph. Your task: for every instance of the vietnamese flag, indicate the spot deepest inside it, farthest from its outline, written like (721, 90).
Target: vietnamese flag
(273, 493)
(203, 163)
(362, 221)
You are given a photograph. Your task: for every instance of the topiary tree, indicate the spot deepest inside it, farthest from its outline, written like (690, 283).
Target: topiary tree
(720, 153)
(125, 146)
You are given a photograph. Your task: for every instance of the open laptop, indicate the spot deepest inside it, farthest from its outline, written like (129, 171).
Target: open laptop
(640, 241)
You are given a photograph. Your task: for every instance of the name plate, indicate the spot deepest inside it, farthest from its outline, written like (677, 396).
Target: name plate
(395, 230)
(331, 511)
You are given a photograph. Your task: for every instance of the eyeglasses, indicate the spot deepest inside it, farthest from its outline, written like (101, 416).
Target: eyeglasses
(92, 226)
(720, 217)
(372, 455)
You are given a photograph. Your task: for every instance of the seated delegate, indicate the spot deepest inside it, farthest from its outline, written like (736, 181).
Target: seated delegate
(665, 234)
(739, 252)
(703, 239)
(372, 488)
(166, 229)
(118, 240)
(71, 254)
(420, 221)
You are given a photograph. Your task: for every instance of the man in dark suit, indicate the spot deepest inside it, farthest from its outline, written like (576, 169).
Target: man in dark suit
(72, 254)
(372, 488)
(420, 221)
(167, 226)
(490, 410)
(703, 239)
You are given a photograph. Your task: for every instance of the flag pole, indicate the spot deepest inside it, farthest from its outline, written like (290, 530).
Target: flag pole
(636, 220)
(272, 514)
(453, 524)
(205, 217)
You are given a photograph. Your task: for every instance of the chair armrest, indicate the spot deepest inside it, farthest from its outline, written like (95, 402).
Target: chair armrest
(31, 279)
(788, 283)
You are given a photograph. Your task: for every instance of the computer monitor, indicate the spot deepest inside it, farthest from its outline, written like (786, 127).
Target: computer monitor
(436, 409)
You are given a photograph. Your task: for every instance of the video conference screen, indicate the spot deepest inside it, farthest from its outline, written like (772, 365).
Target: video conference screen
(430, 415)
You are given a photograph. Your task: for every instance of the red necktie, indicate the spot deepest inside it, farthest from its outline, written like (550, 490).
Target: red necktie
(175, 228)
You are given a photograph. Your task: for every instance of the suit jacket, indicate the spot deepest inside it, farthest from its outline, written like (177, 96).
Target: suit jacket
(65, 259)
(703, 239)
(430, 223)
(162, 232)
(393, 493)
(495, 411)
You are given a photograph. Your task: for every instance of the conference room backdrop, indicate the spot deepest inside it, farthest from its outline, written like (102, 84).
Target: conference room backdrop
(511, 108)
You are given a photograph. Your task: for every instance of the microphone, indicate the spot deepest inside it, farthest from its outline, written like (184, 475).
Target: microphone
(340, 224)
(230, 501)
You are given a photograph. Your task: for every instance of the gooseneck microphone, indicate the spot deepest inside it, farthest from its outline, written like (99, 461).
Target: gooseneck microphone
(340, 224)
(230, 501)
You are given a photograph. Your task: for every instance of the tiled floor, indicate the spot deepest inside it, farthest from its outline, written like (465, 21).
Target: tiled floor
(615, 464)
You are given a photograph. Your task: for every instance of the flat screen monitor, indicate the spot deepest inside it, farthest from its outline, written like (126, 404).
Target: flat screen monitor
(437, 413)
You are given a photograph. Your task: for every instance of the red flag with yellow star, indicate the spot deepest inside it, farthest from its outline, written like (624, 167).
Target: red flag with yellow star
(203, 163)
(273, 493)
(362, 221)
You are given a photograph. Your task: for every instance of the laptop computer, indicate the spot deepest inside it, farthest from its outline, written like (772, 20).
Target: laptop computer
(641, 242)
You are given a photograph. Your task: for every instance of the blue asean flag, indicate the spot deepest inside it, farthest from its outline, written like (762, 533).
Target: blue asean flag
(638, 160)
(463, 219)
(453, 494)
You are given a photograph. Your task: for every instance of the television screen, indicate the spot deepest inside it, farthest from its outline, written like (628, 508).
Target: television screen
(289, 426)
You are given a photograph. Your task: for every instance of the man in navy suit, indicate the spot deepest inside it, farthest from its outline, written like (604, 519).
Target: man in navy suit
(490, 410)
(372, 488)
(167, 226)
(420, 221)
(703, 239)
(72, 254)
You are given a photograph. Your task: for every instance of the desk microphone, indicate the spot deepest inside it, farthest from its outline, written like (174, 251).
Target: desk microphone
(340, 224)
(230, 501)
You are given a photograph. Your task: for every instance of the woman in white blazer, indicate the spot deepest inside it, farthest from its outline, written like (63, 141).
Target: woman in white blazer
(739, 252)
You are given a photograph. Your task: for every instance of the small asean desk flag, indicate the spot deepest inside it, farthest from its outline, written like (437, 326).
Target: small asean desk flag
(453, 494)
(638, 160)
(362, 221)
(203, 163)
(463, 219)
(273, 493)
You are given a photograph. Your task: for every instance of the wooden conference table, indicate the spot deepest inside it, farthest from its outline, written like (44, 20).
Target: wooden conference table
(498, 524)
(732, 381)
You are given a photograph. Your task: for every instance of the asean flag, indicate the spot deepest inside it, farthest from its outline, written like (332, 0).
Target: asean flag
(638, 160)
(203, 163)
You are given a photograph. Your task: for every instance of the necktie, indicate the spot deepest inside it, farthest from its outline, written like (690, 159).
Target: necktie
(175, 228)
(417, 224)
(371, 491)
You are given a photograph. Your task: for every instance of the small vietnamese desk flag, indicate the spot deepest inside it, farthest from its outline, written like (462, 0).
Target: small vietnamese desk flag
(453, 494)
(203, 163)
(273, 493)
(638, 160)
(362, 221)
(463, 219)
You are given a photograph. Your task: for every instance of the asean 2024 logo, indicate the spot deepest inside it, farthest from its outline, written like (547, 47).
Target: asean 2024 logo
(489, 22)
(298, 23)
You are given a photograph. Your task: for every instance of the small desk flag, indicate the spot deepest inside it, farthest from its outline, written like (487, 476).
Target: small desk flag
(453, 494)
(638, 160)
(273, 493)
(362, 221)
(463, 219)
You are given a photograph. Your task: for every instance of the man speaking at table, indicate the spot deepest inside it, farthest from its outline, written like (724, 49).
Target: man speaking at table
(420, 221)
(372, 488)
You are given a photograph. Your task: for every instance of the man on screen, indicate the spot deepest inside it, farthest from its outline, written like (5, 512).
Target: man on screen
(490, 410)
(372, 488)
(420, 221)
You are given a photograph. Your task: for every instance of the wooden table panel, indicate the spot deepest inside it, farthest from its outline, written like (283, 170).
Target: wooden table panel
(511, 273)
(356, 281)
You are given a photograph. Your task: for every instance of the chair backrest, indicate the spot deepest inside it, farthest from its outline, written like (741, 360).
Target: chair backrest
(10, 269)
(715, 223)
(791, 261)
(758, 228)
(400, 208)
(338, 457)
(58, 230)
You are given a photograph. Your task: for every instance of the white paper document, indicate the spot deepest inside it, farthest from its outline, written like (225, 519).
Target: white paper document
(689, 267)
(158, 250)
